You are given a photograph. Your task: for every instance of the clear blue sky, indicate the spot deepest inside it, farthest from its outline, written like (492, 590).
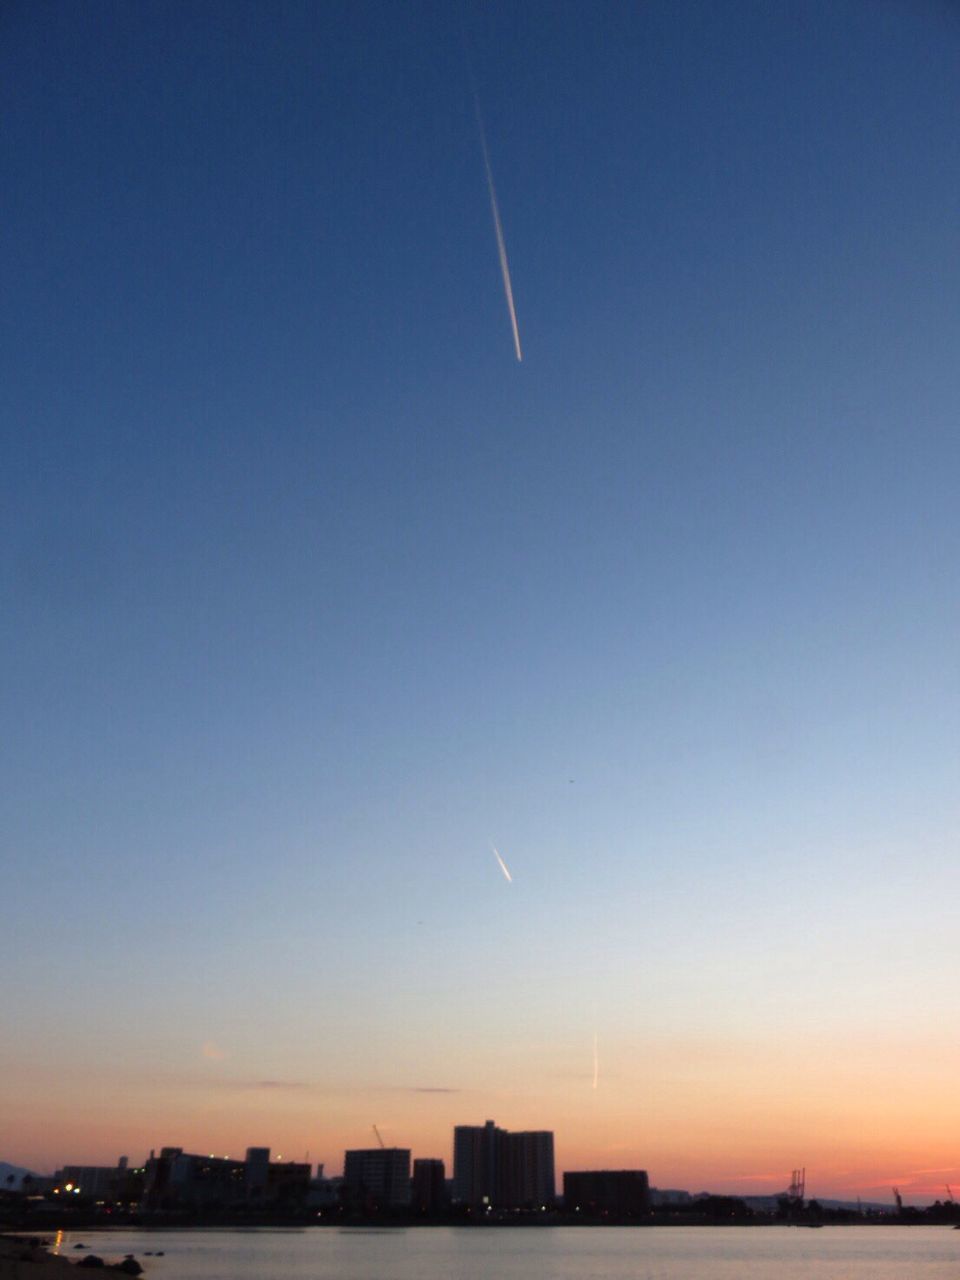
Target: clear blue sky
(310, 590)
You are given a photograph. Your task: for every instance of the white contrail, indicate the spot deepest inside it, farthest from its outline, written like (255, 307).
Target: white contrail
(596, 1060)
(503, 865)
(498, 228)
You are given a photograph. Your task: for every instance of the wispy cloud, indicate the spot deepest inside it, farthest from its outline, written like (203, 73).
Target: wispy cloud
(268, 1086)
(758, 1177)
(303, 1086)
(312, 1086)
(279, 1084)
(910, 1178)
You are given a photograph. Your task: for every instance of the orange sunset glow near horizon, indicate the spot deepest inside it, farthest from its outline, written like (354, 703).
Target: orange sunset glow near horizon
(695, 1117)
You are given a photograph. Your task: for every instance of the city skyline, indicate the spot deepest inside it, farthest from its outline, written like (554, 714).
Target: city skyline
(491, 1169)
(767, 1185)
(313, 594)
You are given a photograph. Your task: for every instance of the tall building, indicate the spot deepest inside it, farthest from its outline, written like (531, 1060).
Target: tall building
(429, 1186)
(378, 1177)
(476, 1150)
(527, 1179)
(504, 1170)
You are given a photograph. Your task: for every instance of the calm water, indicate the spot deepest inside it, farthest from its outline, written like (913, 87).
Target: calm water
(554, 1253)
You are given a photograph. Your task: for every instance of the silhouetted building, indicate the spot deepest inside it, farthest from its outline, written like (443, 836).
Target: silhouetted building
(475, 1153)
(324, 1192)
(429, 1186)
(504, 1170)
(100, 1182)
(526, 1174)
(611, 1193)
(178, 1180)
(258, 1164)
(377, 1178)
(667, 1197)
(287, 1182)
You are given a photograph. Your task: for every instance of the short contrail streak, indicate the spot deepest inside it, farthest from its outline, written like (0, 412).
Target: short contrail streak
(503, 865)
(596, 1060)
(498, 228)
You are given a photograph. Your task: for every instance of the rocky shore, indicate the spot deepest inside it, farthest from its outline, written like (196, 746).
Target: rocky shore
(29, 1258)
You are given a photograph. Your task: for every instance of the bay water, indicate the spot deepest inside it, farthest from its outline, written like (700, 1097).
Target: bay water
(534, 1253)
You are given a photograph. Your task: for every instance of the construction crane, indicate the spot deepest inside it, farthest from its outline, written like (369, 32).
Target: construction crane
(798, 1184)
(383, 1145)
(899, 1199)
(949, 1193)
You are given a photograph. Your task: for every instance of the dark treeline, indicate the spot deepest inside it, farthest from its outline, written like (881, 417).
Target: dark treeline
(20, 1211)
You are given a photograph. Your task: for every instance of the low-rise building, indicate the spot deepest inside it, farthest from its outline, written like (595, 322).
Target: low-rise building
(111, 1183)
(377, 1178)
(288, 1182)
(429, 1188)
(178, 1180)
(607, 1193)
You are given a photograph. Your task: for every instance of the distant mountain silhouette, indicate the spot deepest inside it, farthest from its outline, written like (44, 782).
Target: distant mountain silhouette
(15, 1172)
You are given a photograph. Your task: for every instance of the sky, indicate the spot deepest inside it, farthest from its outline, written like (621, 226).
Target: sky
(312, 591)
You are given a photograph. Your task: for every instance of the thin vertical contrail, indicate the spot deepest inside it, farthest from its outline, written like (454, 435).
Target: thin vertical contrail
(497, 224)
(503, 865)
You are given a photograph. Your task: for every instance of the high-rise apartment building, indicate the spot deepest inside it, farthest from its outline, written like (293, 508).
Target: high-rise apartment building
(475, 1153)
(527, 1179)
(505, 1170)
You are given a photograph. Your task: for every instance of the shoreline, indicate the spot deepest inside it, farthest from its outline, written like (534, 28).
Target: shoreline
(13, 1236)
(28, 1257)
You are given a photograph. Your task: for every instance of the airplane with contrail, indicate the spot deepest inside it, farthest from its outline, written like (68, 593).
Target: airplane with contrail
(497, 226)
(503, 865)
